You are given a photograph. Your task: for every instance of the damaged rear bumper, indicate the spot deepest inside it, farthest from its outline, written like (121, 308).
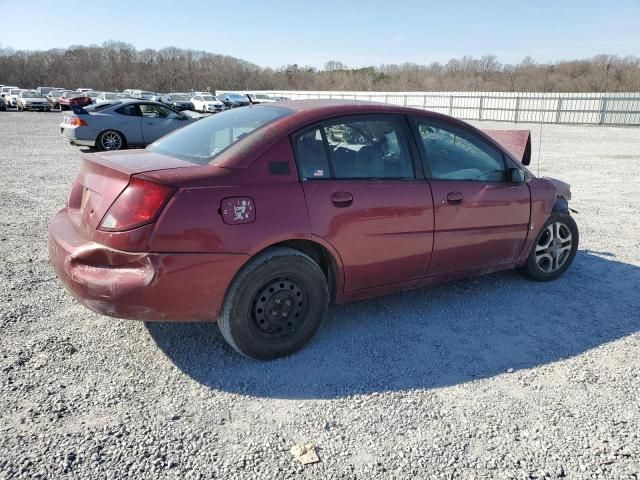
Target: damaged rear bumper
(140, 286)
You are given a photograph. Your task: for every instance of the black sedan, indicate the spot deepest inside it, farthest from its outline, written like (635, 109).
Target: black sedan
(179, 101)
(233, 100)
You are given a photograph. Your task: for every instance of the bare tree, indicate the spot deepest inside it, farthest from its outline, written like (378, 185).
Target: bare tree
(117, 65)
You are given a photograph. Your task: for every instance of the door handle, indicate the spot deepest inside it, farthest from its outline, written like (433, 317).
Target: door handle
(341, 199)
(454, 198)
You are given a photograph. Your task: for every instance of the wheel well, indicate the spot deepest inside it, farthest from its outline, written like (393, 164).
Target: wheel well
(124, 139)
(321, 256)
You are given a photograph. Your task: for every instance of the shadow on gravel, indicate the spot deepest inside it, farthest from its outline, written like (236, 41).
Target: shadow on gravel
(428, 338)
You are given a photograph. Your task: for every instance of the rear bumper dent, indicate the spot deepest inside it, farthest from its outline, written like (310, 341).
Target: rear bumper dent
(140, 286)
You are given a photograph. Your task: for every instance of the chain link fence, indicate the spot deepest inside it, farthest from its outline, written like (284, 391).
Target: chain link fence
(565, 108)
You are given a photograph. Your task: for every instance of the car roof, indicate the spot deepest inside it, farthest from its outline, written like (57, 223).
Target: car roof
(337, 105)
(305, 113)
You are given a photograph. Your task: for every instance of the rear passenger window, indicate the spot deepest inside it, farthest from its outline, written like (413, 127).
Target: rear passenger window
(354, 148)
(311, 155)
(131, 110)
(371, 148)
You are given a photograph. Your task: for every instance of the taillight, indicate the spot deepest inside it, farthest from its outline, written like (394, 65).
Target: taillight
(78, 122)
(139, 204)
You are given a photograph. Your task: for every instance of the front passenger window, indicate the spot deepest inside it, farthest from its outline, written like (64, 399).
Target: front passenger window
(456, 154)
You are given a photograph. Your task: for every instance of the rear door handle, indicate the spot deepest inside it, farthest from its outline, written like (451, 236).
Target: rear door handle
(341, 199)
(454, 198)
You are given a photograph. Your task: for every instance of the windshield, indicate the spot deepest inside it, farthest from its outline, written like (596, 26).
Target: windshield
(30, 94)
(55, 93)
(109, 96)
(203, 140)
(235, 96)
(208, 98)
(179, 98)
(15, 91)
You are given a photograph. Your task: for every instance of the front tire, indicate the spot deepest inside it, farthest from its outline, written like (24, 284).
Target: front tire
(110, 140)
(554, 249)
(275, 304)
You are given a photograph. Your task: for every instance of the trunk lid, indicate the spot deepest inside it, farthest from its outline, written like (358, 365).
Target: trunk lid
(103, 176)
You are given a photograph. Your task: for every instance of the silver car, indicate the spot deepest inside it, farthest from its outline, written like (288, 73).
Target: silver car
(32, 100)
(121, 123)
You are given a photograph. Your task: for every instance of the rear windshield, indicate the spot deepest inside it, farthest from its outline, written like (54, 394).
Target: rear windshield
(205, 139)
(96, 107)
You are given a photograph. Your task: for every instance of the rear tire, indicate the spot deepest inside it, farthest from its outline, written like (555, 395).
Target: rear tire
(554, 249)
(275, 304)
(110, 140)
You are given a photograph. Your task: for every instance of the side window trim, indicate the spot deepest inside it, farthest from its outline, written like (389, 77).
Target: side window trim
(415, 120)
(327, 152)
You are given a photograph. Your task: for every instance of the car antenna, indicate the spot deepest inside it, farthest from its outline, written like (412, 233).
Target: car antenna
(540, 140)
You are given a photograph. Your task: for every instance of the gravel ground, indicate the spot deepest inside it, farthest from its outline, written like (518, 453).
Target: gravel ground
(495, 377)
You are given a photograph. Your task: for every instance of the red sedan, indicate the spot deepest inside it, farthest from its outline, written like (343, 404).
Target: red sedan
(261, 216)
(67, 99)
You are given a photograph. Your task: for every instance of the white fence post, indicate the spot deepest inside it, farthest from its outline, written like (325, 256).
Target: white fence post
(517, 114)
(558, 109)
(603, 110)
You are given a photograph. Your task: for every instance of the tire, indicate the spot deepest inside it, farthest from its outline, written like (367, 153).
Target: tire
(554, 249)
(256, 319)
(110, 140)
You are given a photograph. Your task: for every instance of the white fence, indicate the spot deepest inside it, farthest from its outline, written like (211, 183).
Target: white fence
(571, 108)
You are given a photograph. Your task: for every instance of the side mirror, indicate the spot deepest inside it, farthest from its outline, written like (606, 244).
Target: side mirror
(516, 175)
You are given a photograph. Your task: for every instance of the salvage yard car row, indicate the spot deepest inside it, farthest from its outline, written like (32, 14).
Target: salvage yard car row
(49, 98)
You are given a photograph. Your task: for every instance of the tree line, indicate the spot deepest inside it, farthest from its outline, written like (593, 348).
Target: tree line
(117, 66)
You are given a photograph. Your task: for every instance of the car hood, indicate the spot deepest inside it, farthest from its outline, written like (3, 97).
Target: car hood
(563, 188)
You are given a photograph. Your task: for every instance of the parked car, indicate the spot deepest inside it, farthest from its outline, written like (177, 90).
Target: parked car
(121, 123)
(142, 95)
(106, 97)
(261, 216)
(44, 90)
(93, 95)
(207, 103)
(3, 105)
(53, 97)
(260, 98)
(32, 100)
(4, 90)
(67, 99)
(84, 90)
(233, 100)
(12, 97)
(179, 101)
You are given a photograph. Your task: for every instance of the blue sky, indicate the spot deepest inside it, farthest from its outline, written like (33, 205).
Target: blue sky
(355, 32)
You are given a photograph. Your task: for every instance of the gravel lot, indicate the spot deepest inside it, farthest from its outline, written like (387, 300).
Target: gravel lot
(495, 377)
